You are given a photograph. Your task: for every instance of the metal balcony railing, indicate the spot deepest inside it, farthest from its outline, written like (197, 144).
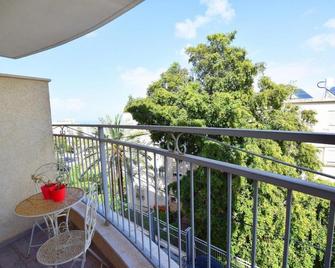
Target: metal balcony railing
(133, 178)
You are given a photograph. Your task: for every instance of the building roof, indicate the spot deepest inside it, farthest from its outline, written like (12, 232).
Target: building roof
(312, 101)
(31, 26)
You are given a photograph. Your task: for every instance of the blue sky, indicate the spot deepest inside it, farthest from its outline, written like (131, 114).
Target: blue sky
(94, 75)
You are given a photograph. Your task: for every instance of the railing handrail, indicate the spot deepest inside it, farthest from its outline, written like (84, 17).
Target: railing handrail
(280, 135)
(307, 187)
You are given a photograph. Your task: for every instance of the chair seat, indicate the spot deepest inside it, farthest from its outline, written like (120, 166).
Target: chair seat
(62, 248)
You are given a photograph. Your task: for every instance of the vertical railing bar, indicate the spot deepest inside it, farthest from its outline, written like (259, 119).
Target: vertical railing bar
(126, 182)
(100, 175)
(209, 217)
(148, 201)
(132, 192)
(88, 163)
(192, 215)
(157, 211)
(167, 211)
(179, 213)
(330, 235)
(85, 182)
(254, 223)
(115, 184)
(82, 157)
(66, 154)
(101, 160)
(80, 164)
(287, 228)
(112, 176)
(55, 143)
(109, 171)
(140, 195)
(72, 170)
(64, 151)
(57, 140)
(89, 171)
(78, 172)
(229, 213)
(121, 185)
(90, 160)
(76, 159)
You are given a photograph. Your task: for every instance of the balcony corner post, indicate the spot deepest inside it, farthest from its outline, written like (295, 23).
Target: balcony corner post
(103, 162)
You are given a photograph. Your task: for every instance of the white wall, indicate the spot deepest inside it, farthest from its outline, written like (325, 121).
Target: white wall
(325, 114)
(25, 144)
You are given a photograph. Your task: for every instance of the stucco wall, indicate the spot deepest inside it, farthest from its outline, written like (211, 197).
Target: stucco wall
(25, 144)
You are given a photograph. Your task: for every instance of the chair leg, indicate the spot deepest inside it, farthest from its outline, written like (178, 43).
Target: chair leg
(31, 239)
(83, 261)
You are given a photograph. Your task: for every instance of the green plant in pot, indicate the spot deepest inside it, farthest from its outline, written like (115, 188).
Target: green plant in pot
(59, 192)
(52, 179)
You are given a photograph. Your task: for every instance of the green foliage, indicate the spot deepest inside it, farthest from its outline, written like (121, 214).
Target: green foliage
(218, 92)
(63, 146)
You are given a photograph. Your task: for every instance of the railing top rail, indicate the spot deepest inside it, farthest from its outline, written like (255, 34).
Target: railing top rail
(311, 188)
(280, 135)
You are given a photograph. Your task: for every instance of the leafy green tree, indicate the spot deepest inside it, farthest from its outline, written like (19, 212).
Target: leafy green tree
(219, 92)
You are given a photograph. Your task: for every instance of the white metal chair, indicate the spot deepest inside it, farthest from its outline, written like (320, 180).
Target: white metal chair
(72, 245)
(52, 171)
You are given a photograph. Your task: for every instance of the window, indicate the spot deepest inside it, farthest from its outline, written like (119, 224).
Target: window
(138, 193)
(331, 118)
(330, 156)
(161, 171)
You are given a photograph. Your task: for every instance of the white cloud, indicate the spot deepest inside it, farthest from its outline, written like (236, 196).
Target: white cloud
(330, 23)
(309, 12)
(301, 73)
(322, 41)
(304, 74)
(188, 28)
(220, 9)
(67, 105)
(138, 79)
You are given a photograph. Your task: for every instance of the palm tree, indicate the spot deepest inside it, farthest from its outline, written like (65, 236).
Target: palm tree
(118, 157)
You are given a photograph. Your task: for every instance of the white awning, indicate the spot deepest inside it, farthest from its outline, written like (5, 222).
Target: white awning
(31, 26)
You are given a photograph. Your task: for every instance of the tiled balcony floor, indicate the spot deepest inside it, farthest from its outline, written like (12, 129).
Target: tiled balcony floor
(14, 254)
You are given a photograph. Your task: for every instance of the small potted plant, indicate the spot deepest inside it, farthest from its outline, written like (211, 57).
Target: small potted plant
(46, 185)
(52, 177)
(58, 193)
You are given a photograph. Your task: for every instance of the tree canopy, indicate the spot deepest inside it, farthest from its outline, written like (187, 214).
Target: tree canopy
(219, 91)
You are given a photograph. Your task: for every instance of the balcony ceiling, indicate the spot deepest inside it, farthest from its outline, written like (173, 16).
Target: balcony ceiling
(31, 26)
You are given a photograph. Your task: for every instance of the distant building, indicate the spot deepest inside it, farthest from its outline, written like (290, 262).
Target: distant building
(325, 115)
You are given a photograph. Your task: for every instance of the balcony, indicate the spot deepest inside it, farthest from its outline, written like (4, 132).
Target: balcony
(135, 197)
(150, 194)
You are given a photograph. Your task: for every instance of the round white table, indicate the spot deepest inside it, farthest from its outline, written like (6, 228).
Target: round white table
(36, 206)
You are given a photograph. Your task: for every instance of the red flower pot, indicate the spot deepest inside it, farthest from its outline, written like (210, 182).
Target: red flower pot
(58, 193)
(47, 189)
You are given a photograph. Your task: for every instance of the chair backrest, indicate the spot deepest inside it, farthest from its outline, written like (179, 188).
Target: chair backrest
(51, 172)
(91, 214)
